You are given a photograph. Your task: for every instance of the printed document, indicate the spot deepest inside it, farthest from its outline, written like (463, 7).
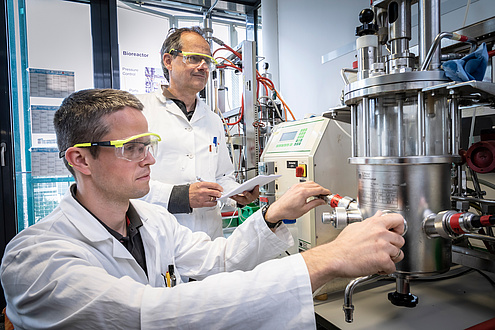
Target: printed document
(249, 185)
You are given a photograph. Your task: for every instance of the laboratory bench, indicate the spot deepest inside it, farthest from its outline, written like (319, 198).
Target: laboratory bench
(459, 299)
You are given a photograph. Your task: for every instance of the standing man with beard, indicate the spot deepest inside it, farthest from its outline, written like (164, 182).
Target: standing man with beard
(189, 178)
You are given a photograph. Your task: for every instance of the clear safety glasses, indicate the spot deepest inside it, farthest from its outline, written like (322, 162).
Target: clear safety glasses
(134, 148)
(196, 59)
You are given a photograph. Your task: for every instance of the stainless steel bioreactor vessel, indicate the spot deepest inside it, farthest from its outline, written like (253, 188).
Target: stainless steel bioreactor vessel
(405, 121)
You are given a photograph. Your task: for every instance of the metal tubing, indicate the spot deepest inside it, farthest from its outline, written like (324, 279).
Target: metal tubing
(455, 120)
(210, 90)
(383, 125)
(366, 122)
(481, 237)
(353, 130)
(436, 43)
(344, 77)
(400, 133)
(433, 48)
(421, 125)
(472, 199)
(429, 28)
(402, 285)
(349, 290)
(459, 180)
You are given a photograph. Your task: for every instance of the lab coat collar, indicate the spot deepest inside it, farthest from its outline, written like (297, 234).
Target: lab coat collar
(165, 96)
(92, 230)
(150, 228)
(83, 220)
(89, 226)
(168, 104)
(149, 234)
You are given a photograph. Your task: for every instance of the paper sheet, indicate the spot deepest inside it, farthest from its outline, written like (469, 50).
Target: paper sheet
(249, 185)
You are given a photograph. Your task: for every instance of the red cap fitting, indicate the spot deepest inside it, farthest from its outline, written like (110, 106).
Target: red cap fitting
(334, 201)
(455, 225)
(485, 220)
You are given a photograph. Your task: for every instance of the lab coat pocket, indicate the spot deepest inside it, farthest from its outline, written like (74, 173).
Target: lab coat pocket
(213, 163)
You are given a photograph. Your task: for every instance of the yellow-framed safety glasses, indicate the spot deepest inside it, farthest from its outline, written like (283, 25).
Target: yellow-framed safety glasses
(134, 148)
(195, 59)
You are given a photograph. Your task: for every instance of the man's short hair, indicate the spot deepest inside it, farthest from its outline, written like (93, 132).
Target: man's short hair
(173, 41)
(80, 117)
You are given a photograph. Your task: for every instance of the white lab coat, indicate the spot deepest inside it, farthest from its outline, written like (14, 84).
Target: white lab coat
(184, 154)
(68, 272)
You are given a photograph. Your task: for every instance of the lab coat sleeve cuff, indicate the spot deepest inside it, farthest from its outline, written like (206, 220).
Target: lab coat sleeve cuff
(301, 276)
(283, 234)
(179, 200)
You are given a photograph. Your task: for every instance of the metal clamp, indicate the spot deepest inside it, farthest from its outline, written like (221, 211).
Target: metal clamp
(3, 148)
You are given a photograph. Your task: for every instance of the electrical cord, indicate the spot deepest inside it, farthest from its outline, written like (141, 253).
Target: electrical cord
(342, 129)
(466, 13)
(488, 278)
(267, 83)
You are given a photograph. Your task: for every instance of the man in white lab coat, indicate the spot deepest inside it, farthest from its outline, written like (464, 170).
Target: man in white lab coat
(103, 260)
(195, 138)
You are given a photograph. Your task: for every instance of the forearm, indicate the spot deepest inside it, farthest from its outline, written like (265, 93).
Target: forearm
(319, 272)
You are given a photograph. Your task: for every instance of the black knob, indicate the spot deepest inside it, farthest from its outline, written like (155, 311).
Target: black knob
(366, 16)
(403, 299)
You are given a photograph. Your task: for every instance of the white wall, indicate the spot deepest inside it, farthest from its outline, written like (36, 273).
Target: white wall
(141, 36)
(59, 38)
(309, 29)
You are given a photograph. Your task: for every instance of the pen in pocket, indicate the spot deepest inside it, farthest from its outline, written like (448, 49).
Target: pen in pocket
(172, 275)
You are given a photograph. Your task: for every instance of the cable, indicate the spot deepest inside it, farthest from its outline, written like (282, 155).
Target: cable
(488, 278)
(486, 183)
(216, 50)
(342, 129)
(453, 273)
(211, 8)
(465, 15)
(241, 114)
(272, 87)
(273, 102)
(231, 217)
(317, 291)
(259, 77)
(225, 59)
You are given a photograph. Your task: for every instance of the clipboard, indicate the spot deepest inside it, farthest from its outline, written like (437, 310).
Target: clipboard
(249, 185)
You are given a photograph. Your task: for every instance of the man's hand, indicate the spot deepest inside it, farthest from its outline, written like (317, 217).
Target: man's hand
(247, 196)
(362, 248)
(204, 194)
(296, 202)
